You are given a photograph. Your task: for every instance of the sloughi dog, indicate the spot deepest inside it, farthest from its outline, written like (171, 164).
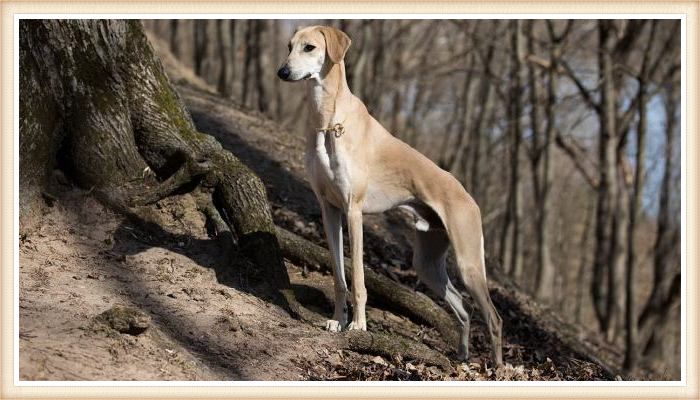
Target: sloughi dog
(356, 166)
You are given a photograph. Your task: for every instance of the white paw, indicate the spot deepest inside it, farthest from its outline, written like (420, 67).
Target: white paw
(357, 326)
(333, 326)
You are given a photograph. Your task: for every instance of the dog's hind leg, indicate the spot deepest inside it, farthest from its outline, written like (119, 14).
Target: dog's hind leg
(468, 242)
(332, 224)
(429, 260)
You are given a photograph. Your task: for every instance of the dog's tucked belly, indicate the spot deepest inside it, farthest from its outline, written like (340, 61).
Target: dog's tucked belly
(380, 198)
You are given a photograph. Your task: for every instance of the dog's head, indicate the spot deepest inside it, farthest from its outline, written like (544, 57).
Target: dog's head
(312, 49)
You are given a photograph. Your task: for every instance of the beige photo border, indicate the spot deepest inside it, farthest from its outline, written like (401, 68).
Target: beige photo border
(8, 211)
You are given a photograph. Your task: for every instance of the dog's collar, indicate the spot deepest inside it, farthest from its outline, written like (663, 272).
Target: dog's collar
(337, 130)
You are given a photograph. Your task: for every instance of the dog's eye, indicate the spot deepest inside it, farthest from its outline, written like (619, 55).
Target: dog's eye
(309, 47)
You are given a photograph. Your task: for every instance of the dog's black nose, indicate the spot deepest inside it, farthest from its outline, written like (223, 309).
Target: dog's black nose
(284, 72)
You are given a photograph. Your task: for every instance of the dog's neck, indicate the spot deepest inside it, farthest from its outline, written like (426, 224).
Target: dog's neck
(327, 89)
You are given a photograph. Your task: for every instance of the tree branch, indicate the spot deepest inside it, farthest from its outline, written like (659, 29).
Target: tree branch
(585, 92)
(578, 158)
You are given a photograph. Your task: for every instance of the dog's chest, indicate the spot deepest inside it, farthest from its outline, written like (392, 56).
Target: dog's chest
(329, 167)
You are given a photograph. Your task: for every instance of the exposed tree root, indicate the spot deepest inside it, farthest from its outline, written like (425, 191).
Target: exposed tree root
(391, 346)
(389, 294)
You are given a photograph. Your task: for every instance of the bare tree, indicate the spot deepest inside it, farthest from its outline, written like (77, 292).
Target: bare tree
(665, 293)
(631, 352)
(511, 252)
(200, 44)
(224, 82)
(249, 58)
(486, 109)
(541, 151)
(399, 90)
(260, 65)
(374, 96)
(233, 39)
(174, 39)
(276, 51)
(460, 123)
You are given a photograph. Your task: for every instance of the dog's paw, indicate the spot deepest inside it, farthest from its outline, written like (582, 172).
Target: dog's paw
(357, 326)
(463, 355)
(333, 326)
(463, 350)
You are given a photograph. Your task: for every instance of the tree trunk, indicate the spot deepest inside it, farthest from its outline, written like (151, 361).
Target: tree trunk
(585, 235)
(374, 101)
(97, 104)
(510, 238)
(607, 184)
(635, 202)
(631, 350)
(224, 83)
(486, 100)
(399, 94)
(200, 45)
(233, 40)
(260, 65)
(464, 112)
(248, 63)
(411, 133)
(357, 71)
(174, 39)
(666, 290)
(542, 170)
(277, 52)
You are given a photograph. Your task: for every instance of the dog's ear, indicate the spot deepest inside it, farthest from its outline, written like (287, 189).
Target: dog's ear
(337, 43)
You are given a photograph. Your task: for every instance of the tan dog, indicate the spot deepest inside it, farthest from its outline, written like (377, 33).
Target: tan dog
(355, 166)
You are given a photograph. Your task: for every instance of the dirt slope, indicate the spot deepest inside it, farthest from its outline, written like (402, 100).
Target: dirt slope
(84, 259)
(207, 324)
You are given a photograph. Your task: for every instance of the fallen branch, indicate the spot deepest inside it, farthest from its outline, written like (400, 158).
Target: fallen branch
(390, 346)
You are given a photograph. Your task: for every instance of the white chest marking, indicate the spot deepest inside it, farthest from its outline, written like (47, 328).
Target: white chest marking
(333, 166)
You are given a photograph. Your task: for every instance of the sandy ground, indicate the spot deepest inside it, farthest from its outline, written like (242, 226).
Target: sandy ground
(83, 260)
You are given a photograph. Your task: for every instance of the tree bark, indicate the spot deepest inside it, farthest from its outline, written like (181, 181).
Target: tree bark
(277, 52)
(511, 252)
(260, 66)
(97, 104)
(223, 85)
(464, 113)
(200, 45)
(174, 39)
(358, 70)
(666, 260)
(248, 63)
(607, 181)
(541, 160)
(399, 94)
(585, 235)
(631, 351)
(486, 100)
(233, 40)
(392, 345)
(374, 100)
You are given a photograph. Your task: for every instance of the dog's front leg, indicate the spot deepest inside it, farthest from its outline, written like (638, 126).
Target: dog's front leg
(332, 224)
(359, 293)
